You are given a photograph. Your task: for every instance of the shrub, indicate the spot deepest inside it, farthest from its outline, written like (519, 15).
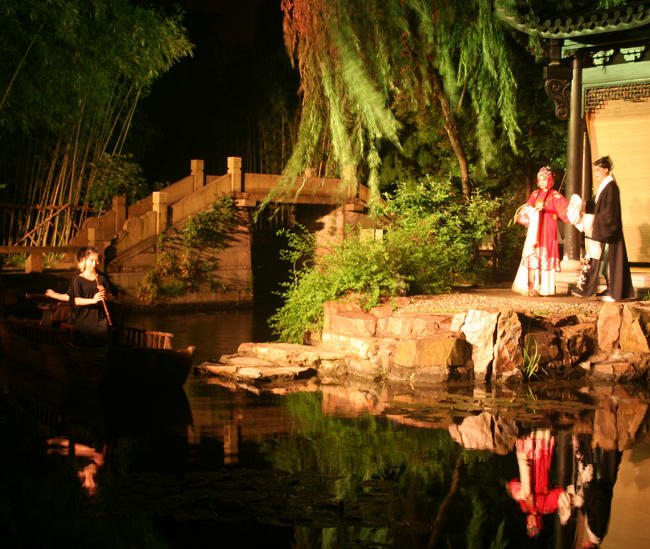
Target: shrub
(115, 175)
(188, 257)
(431, 236)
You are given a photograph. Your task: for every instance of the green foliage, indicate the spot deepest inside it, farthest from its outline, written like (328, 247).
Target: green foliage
(530, 365)
(187, 258)
(429, 246)
(434, 232)
(14, 260)
(368, 69)
(393, 475)
(116, 174)
(353, 265)
(71, 75)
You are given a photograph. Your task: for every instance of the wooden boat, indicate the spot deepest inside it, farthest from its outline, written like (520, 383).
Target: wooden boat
(134, 358)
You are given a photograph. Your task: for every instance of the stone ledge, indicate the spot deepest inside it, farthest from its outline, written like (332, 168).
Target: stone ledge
(478, 344)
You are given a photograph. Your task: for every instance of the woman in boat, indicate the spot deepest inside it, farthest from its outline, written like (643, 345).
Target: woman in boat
(61, 312)
(88, 296)
(81, 259)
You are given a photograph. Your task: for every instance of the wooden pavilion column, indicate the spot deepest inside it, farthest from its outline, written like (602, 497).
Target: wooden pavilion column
(574, 158)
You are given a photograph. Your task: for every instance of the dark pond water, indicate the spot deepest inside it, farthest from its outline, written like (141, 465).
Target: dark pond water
(363, 466)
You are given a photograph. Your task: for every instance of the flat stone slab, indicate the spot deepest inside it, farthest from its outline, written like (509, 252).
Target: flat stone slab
(290, 353)
(254, 369)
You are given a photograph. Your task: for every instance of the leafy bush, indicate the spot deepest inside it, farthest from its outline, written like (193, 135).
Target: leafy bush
(14, 260)
(116, 174)
(429, 246)
(188, 257)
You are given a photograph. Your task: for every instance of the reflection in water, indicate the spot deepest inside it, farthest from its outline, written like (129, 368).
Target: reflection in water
(213, 333)
(534, 453)
(364, 465)
(595, 475)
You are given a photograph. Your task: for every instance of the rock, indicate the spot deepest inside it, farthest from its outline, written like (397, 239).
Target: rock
(389, 307)
(247, 369)
(244, 361)
(334, 307)
(365, 348)
(609, 326)
(479, 328)
(443, 349)
(556, 320)
(352, 323)
(409, 325)
(485, 432)
(289, 353)
(457, 321)
(640, 362)
(508, 356)
(544, 344)
(613, 370)
(576, 342)
(635, 328)
(433, 359)
(629, 416)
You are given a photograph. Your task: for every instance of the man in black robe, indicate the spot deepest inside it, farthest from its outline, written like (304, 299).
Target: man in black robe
(604, 243)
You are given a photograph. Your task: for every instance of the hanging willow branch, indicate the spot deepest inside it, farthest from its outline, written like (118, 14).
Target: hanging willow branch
(359, 59)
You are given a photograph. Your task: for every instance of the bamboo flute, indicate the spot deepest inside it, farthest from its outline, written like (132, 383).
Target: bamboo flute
(108, 316)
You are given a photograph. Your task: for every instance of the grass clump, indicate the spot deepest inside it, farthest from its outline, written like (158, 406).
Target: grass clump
(530, 364)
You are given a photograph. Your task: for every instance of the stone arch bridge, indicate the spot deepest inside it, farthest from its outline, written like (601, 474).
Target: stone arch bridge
(132, 232)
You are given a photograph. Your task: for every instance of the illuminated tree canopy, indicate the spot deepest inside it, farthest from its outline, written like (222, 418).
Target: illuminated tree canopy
(371, 69)
(366, 64)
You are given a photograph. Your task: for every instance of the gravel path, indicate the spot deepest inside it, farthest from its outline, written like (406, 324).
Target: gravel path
(498, 298)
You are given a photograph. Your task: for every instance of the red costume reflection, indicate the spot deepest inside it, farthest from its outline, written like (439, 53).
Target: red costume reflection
(531, 490)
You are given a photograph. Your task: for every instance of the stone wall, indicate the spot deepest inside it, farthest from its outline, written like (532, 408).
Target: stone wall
(489, 344)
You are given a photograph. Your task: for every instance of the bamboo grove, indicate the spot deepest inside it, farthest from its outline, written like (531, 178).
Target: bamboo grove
(71, 75)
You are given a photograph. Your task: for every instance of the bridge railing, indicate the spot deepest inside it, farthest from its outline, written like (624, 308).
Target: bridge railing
(128, 227)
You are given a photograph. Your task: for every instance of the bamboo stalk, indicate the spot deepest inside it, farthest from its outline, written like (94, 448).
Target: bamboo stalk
(42, 222)
(20, 64)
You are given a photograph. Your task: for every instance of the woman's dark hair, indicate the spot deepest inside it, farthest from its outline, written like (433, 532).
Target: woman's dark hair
(604, 162)
(85, 251)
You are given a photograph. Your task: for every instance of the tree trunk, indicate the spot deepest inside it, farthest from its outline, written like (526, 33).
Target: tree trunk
(451, 126)
(440, 521)
(530, 170)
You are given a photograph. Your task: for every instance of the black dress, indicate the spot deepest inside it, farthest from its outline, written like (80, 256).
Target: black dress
(608, 229)
(90, 322)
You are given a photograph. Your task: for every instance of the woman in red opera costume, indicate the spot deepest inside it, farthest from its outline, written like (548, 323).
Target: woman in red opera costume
(540, 259)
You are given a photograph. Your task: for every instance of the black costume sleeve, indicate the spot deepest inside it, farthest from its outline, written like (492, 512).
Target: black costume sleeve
(607, 220)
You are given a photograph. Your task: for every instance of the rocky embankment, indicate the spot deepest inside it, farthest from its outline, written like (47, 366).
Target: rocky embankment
(418, 340)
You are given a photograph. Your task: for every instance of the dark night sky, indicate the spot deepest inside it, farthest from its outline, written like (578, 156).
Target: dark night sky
(207, 106)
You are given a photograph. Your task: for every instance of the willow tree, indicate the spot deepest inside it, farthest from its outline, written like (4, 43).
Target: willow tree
(363, 61)
(71, 75)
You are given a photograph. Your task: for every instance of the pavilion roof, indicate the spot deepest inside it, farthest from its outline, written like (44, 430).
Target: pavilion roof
(574, 20)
